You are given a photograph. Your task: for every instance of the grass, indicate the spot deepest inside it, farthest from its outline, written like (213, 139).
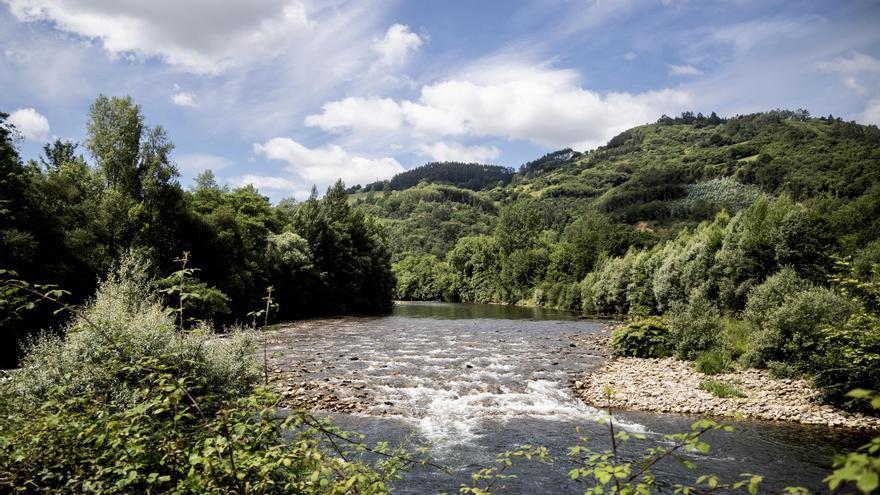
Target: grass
(735, 336)
(713, 362)
(722, 390)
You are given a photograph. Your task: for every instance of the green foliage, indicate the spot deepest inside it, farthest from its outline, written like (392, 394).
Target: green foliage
(350, 258)
(713, 362)
(771, 294)
(644, 338)
(779, 369)
(425, 278)
(126, 315)
(861, 467)
(735, 337)
(64, 221)
(476, 263)
(722, 390)
(125, 403)
(793, 331)
(472, 176)
(695, 327)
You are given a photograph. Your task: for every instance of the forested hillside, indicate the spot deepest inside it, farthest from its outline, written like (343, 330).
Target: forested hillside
(564, 212)
(65, 221)
(756, 237)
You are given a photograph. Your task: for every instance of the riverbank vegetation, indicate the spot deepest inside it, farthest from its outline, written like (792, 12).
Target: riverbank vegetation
(65, 219)
(126, 400)
(754, 237)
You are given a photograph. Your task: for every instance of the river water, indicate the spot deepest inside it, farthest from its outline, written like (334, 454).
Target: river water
(469, 381)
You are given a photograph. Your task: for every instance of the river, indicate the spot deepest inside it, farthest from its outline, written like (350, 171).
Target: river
(471, 380)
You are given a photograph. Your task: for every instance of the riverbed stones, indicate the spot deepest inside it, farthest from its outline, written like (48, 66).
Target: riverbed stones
(672, 386)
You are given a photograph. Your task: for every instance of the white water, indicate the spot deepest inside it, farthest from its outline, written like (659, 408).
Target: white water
(447, 377)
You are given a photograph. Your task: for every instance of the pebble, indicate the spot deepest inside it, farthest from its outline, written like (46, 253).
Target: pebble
(672, 386)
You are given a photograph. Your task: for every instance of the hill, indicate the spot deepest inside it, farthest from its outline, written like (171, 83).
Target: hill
(561, 213)
(473, 176)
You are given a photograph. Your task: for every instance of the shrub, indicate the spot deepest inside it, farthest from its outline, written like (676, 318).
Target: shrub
(768, 296)
(851, 359)
(735, 335)
(713, 362)
(792, 332)
(126, 403)
(126, 323)
(644, 338)
(722, 390)
(778, 369)
(695, 327)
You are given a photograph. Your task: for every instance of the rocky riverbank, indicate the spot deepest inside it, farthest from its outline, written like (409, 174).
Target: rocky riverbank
(673, 386)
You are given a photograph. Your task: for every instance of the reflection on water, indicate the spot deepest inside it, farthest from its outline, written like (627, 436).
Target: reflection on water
(459, 311)
(473, 380)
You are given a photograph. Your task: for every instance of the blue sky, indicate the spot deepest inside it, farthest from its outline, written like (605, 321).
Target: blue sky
(289, 93)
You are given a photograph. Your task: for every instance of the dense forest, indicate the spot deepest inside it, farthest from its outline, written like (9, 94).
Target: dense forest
(473, 176)
(754, 229)
(65, 219)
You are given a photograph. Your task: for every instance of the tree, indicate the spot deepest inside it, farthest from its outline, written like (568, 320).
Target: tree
(115, 130)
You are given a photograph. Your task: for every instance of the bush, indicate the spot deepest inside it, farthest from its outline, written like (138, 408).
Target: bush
(778, 369)
(736, 335)
(713, 362)
(722, 390)
(644, 338)
(792, 332)
(126, 323)
(125, 403)
(851, 359)
(695, 327)
(768, 296)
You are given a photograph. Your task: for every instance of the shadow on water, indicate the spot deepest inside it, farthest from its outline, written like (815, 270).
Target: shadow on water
(472, 380)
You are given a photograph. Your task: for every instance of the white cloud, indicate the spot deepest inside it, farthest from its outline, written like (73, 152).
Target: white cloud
(871, 115)
(200, 37)
(454, 152)
(371, 115)
(199, 162)
(630, 55)
(184, 99)
(396, 46)
(854, 84)
(514, 101)
(684, 70)
(265, 182)
(323, 166)
(857, 64)
(31, 124)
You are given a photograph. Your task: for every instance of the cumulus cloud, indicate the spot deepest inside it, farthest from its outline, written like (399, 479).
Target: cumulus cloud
(684, 70)
(184, 99)
(199, 162)
(534, 103)
(324, 165)
(194, 36)
(455, 152)
(371, 115)
(30, 123)
(399, 42)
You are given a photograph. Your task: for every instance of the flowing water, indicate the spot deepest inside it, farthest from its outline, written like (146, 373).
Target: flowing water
(470, 381)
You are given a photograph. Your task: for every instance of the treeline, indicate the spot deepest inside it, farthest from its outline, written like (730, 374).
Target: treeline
(473, 176)
(64, 221)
